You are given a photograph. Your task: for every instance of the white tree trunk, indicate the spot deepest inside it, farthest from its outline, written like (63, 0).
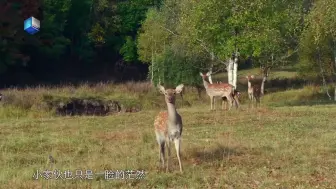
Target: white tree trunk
(235, 70)
(210, 76)
(230, 71)
(322, 74)
(210, 70)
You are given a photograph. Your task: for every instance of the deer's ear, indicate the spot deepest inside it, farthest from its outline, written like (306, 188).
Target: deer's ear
(179, 88)
(252, 76)
(201, 74)
(161, 89)
(209, 73)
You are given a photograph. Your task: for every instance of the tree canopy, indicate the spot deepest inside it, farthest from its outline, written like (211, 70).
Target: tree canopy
(267, 31)
(176, 38)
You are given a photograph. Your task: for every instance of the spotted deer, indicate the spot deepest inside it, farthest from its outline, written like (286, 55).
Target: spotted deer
(168, 126)
(235, 96)
(219, 90)
(256, 90)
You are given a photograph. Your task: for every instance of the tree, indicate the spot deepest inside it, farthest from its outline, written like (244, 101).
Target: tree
(319, 41)
(215, 30)
(152, 39)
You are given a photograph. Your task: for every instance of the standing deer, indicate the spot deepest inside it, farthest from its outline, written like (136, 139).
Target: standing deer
(168, 126)
(219, 90)
(235, 96)
(255, 90)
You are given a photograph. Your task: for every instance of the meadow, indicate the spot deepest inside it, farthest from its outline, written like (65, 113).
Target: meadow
(289, 142)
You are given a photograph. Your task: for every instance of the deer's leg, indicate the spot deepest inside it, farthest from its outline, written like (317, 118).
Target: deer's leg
(162, 153)
(230, 101)
(181, 94)
(250, 100)
(210, 102)
(236, 101)
(199, 92)
(161, 141)
(177, 148)
(255, 101)
(168, 158)
(258, 101)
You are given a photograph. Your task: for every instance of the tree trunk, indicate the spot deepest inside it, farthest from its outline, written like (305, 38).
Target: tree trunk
(230, 71)
(211, 67)
(322, 74)
(235, 70)
(263, 85)
(210, 75)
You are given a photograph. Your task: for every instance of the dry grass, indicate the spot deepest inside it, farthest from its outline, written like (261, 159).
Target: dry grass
(135, 93)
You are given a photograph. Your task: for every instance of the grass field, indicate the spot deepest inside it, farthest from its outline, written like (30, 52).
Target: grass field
(280, 145)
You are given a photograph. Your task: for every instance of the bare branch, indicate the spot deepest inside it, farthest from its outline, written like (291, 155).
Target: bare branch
(169, 30)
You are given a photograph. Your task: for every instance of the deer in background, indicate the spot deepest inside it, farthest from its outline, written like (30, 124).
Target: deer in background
(168, 126)
(236, 95)
(256, 90)
(222, 90)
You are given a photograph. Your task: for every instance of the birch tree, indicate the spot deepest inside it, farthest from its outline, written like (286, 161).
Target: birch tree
(319, 41)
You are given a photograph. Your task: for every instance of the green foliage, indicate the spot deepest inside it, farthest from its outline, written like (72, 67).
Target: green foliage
(152, 37)
(53, 43)
(322, 20)
(129, 50)
(172, 68)
(73, 32)
(131, 14)
(267, 31)
(317, 44)
(97, 34)
(150, 31)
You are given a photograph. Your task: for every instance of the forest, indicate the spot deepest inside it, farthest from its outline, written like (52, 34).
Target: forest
(166, 40)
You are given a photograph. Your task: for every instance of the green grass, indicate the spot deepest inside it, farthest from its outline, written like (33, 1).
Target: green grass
(261, 148)
(287, 143)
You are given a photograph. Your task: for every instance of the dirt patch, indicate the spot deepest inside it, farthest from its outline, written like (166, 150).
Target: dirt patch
(87, 106)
